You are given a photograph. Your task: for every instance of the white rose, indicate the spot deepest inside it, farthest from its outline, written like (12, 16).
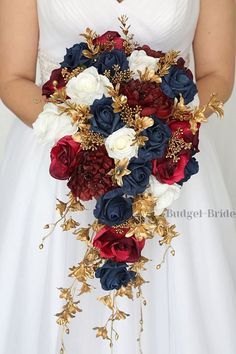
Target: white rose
(139, 60)
(120, 145)
(165, 194)
(51, 125)
(87, 86)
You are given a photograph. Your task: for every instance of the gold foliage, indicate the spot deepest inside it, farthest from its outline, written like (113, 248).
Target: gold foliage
(82, 234)
(119, 101)
(143, 204)
(141, 231)
(101, 332)
(120, 315)
(140, 264)
(107, 301)
(149, 75)
(177, 145)
(166, 62)
(69, 224)
(88, 139)
(89, 36)
(168, 235)
(129, 43)
(125, 291)
(61, 207)
(120, 171)
(86, 288)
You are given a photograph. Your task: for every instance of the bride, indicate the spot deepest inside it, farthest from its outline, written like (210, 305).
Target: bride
(191, 301)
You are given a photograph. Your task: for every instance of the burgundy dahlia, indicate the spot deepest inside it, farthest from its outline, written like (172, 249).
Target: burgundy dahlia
(149, 96)
(90, 178)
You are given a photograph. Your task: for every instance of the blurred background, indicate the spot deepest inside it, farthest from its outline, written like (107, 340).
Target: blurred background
(221, 133)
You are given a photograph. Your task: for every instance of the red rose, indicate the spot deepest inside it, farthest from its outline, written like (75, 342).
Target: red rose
(181, 64)
(48, 88)
(63, 159)
(167, 171)
(115, 246)
(90, 178)
(151, 52)
(110, 39)
(149, 96)
(187, 135)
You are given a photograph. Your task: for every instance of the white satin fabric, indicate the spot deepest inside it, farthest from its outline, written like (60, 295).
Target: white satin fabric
(191, 302)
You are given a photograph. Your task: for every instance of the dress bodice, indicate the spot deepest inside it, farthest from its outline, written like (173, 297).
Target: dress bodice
(163, 25)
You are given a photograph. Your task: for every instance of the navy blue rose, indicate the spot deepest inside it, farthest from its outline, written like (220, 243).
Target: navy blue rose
(74, 57)
(191, 168)
(113, 209)
(158, 137)
(179, 80)
(104, 120)
(137, 181)
(107, 59)
(114, 274)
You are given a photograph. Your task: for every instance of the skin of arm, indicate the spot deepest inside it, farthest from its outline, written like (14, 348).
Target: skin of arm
(213, 46)
(214, 49)
(18, 47)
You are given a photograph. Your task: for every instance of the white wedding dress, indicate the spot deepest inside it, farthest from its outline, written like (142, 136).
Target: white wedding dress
(191, 300)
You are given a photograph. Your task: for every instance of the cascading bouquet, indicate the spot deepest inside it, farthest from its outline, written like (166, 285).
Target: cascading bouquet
(125, 137)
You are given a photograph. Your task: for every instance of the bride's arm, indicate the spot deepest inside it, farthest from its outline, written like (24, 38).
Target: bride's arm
(214, 49)
(18, 57)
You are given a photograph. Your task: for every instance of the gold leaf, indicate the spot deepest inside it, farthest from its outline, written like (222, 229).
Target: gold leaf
(65, 293)
(139, 281)
(149, 75)
(86, 288)
(144, 204)
(168, 235)
(101, 332)
(120, 315)
(141, 231)
(107, 301)
(142, 123)
(139, 265)
(82, 234)
(216, 105)
(125, 291)
(69, 224)
(76, 206)
(61, 207)
(120, 171)
(96, 226)
(79, 273)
